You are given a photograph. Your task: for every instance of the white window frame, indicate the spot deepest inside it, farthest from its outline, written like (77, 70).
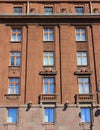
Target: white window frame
(82, 58)
(81, 32)
(48, 32)
(84, 85)
(49, 58)
(15, 32)
(15, 55)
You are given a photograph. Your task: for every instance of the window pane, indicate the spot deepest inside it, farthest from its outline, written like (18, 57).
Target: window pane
(79, 61)
(52, 88)
(46, 61)
(87, 88)
(88, 118)
(46, 37)
(78, 37)
(85, 61)
(18, 61)
(17, 89)
(83, 37)
(13, 30)
(12, 115)
(45, 88)
(52, 61)
(83, 114)
(51, 115)
(12, 61)
(10, 89)
(51, 37)
(80, 88)
(19, 37)
(13, 37)
(46, 115)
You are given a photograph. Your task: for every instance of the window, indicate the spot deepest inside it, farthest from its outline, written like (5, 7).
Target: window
(49, 115)
(80, 34)
(13, 86)
(79, 10)
(48, 34)
(48, 59)
(82, 59)
(84, 86)
(48, 84)
(12, 115)
(17, 10)
(16, 35)
(48, 10)
(14, 58)
(85, 115)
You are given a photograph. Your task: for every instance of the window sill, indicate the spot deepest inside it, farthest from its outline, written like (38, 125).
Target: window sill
(12, 96)
(85, 123)
(48, 41)
(81, 41)
(48, 66)
(15, 41)
(82, 66)
(78, 72)
(8, 123)
(48, 123)
(14, 67)
(81, 70)
(48, 71)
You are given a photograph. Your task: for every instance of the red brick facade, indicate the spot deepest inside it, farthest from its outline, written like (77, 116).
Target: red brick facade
(66, 72)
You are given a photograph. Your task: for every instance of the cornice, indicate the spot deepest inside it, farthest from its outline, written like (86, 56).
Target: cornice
(53, 19)
(47, 1)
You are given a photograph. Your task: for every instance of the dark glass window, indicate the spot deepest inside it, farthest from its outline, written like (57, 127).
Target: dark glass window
(48, 10)
(17, 10)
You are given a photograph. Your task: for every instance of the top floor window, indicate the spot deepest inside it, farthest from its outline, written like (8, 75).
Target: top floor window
(80, 34)
(79, 10)
(48, 10)
(18, 10)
